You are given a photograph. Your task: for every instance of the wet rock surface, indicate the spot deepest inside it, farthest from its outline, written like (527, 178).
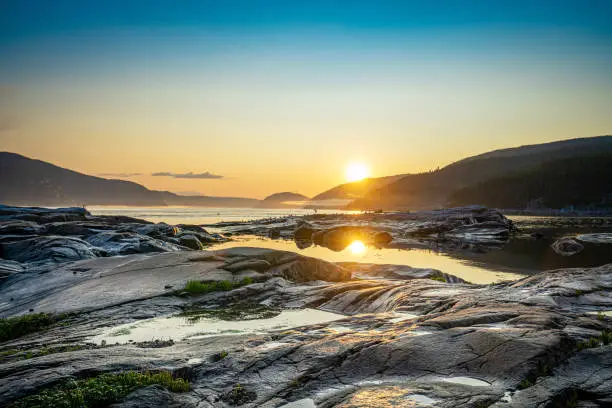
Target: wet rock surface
(464, 228)
(567, 246)
(42, 235)
(402, 336)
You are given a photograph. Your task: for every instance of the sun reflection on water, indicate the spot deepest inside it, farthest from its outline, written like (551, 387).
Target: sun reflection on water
(357, 248)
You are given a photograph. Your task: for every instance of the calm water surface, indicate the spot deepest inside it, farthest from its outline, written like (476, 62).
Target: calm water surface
(203, 215)
(519, 257)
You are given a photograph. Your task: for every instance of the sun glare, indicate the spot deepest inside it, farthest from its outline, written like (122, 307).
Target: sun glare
(357, 248)
(357, 172)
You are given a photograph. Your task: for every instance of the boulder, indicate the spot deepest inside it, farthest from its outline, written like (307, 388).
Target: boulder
(190, 241)
(381, 238)
(303, 232)
(567, 246)
(49, 249)
(203, 237)
(191, 228)
(159, 230)
(124, 243)
(20, 227)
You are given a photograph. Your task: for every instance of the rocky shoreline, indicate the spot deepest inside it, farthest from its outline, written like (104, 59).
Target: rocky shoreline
(361, 335)
(472, 227)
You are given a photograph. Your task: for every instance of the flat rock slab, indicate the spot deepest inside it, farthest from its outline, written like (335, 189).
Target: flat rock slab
(104, 282)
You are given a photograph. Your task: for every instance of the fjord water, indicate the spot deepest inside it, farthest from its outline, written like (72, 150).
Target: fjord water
(203, 215)
(521, 256)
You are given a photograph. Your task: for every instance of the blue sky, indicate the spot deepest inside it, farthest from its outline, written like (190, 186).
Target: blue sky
(31, 18)
(197, 86)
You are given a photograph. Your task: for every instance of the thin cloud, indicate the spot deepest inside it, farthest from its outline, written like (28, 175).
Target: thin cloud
(190, 175)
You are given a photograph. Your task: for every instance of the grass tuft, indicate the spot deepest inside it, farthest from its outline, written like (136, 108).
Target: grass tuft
(14, 327)
(100, 391)
(604, 338)
(438, 278)
(196, 287)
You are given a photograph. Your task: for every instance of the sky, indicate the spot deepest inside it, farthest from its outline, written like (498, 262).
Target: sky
(249, 98)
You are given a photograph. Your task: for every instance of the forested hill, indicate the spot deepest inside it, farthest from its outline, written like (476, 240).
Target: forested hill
(580, 182)
(435, 189)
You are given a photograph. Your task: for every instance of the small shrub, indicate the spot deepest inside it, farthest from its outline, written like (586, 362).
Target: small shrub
(606, 337)
(438, 278)
(601, 316)
(121, 332)
(239, 395)
(220, 356)
(525, 384)
(100, 391)
(14, 327)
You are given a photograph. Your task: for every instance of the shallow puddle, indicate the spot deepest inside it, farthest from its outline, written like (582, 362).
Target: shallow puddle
(420, 399)
(602, 313)
(180, 328)
(469, 381)
(416, 258)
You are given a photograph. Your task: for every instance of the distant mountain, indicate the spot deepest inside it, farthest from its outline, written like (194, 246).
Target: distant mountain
(284, 200)
(434, 189)
(25, 181)
(286, 196)
(356, 189)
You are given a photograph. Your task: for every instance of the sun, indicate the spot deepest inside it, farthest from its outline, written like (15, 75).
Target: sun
(356, 172)
(357, 248)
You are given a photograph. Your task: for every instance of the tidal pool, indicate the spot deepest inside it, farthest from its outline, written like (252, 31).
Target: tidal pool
(522, 255)
(469, 381)
(179, 328)
(358, 252)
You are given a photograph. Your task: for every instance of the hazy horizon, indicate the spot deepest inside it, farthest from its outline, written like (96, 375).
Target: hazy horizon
(250, 98)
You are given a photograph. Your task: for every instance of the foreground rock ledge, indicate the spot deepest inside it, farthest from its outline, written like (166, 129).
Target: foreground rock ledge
(468, 346)
(409, 336)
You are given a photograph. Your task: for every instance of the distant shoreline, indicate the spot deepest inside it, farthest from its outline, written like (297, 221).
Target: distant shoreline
(559, 213)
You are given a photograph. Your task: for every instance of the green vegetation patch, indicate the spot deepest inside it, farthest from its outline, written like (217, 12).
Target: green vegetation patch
(197, 287)
(604, 338)
(100, 391)
(121, 332)
(438, 278)
(239, 395)
(543, 370)
(243, 311)
(14, 327)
